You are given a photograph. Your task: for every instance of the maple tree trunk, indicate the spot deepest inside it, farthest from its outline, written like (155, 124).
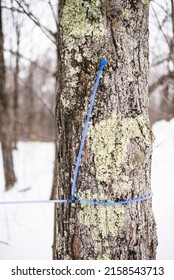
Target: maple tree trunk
(116, 162)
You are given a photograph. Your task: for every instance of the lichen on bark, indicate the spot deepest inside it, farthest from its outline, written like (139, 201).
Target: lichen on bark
(109, 219)
(145, 2)
(75, 27)
(75, 23)
(126, 14)
(110, 138)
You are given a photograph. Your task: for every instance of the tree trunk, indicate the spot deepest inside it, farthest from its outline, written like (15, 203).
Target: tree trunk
(116, 161)
(5, 124)
(16, 88)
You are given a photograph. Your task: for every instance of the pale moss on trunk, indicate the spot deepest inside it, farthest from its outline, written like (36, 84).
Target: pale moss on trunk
(145, 2)
(104, 222)
(109, 219)
(75, 26)
(74, 22)
(126, 14)
(110, 140)
(61, 245)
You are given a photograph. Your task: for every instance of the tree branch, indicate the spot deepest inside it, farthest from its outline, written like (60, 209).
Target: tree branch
(160, 27)
(160, 61)
(33, 18)
(54, 15)
(34, 63)
(39, 98)
(161, 81)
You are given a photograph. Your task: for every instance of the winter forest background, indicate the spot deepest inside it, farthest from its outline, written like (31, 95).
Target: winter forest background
(28, 75)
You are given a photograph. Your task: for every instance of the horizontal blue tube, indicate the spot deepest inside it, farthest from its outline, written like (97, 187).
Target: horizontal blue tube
(78, 201)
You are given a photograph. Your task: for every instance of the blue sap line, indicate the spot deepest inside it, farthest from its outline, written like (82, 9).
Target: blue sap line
(121, 202)
(102, 65)
(79, 201)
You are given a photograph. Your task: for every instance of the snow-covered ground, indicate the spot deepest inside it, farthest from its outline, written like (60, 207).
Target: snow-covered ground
(26, 231)
(163, 187)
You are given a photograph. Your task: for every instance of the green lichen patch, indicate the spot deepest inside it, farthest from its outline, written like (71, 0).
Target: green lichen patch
(59, 241)
(120, 187)
(126, 14)
(78, 57)
(110, 139)
(65, 102)
(145, 2)
(79, 19)
(75, 22)
(74, 70)
(67, 257)
(103, 257)
(103, 220)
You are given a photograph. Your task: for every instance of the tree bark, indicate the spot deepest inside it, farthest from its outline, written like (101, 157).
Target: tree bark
(116, 161)
(5, 124)
(52, 197)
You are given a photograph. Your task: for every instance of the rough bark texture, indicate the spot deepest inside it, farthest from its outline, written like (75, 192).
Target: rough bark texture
(5, 125)
(116, 162)
(52, 197)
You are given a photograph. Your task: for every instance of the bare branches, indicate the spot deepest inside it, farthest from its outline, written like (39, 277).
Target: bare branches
(23, 8)
(160, 60)
(161, 27)
(11, 8)
(53, 12)
(36, 77)
(161, 81)
(165, 10)
(34, 133)
(166, 28)
(34, 63)
(4, 242)
(41, 100)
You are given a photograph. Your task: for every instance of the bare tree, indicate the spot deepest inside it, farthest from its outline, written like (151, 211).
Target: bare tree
(16, 80)
(116, 162)
(28, 90)
(5, 120)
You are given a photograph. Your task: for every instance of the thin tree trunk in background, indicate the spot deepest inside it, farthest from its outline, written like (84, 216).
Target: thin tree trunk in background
(16, 89)
(5, 125)
(31, 101)
(116, 162)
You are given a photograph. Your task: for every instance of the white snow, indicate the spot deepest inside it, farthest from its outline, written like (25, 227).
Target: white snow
(26, 231)
(163, 187)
